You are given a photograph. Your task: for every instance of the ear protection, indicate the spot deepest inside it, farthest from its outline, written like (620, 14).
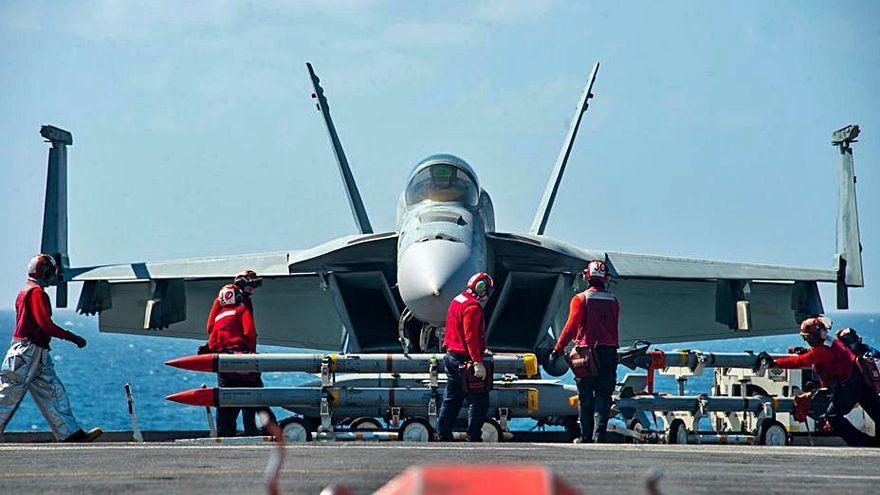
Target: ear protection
(481, 285)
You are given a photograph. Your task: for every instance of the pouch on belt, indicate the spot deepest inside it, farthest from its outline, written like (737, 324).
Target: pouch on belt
(473, 385)
(582, 360)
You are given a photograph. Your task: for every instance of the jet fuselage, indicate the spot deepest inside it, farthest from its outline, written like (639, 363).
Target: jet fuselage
(442, 220)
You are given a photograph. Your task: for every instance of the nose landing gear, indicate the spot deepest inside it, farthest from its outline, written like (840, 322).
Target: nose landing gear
(430, 337)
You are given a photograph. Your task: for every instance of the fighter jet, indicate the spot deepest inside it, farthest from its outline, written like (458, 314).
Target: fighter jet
(389, 291)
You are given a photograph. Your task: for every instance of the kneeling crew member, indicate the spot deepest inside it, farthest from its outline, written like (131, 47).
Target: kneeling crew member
(465, 340)
(28, 365)
(592, 322)
(853, 341)
(231, 330)
(835, 365)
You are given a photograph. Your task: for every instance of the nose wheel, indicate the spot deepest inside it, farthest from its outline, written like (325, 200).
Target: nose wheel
(429, 336)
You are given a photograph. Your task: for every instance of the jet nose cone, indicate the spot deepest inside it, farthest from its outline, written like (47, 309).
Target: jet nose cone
(430, 274)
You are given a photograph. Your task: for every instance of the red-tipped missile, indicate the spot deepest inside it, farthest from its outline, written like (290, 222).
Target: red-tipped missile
(196, 397)
(200, 362)
(519, 364)
(524, 400)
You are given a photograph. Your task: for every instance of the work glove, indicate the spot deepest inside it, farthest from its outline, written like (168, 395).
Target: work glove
(797, 350)
(764, 357)
(479, 371)
(79, 341)
(552, 358)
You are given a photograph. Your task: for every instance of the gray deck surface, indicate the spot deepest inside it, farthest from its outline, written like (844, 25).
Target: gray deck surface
(168, 468)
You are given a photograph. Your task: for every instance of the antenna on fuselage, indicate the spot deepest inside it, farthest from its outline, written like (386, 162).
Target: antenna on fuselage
(351, 189)
(543, 213)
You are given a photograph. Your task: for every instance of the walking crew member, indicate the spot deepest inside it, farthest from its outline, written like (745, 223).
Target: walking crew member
(465, 340)
(28, 365)
(592, 322)
(835, 365)
(853, 341)
(231, 330)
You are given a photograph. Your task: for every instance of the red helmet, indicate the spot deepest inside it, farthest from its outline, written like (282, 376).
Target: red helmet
(481, 286)
(247, 278)
(42, 267)
(811, 330)
(596, 270)
(229, 295)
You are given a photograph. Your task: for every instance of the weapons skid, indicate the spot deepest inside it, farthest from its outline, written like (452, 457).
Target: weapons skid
(695, 403)
(694, 360)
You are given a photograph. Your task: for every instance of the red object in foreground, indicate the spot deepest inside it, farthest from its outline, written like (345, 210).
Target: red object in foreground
(477, 480)
(201, 362)
(195, 397)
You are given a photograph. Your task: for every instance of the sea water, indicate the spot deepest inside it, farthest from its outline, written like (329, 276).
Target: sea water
(95, 376)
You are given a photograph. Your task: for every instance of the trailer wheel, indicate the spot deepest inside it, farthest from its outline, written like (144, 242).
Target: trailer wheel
(492, 431)
(415, 430)
(772, 432)
(296, 430)
(677, 433)
(635, 425)
(365, 424)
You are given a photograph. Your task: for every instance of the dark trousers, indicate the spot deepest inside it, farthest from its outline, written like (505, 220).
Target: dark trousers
(844, 397)
(227, 417)
(594, 394)
(478, 404)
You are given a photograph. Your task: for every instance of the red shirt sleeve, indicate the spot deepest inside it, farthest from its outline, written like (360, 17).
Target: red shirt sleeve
(41, 309)
(576, 312)
(209, 325)
(472, 321)
(247, 324)
(804, 360)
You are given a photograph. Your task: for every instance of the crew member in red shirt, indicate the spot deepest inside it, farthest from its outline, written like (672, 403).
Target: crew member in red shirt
(592, 322)
(28, 367)
(465, 341)
(231, 330)
(835, 365)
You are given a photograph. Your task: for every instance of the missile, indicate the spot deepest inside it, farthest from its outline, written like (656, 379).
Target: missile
(692, 359)
(521, 364)
(310, 397)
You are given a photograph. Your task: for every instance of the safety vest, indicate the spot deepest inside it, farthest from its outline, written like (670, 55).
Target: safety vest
(601, 314)
(454, 338)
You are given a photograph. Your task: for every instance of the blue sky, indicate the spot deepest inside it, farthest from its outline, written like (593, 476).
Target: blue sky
(194, 133)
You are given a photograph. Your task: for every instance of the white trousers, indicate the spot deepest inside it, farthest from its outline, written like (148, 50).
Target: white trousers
(29, 367)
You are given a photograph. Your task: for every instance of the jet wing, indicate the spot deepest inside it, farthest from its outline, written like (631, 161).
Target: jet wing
(667, 299)
(295, 307)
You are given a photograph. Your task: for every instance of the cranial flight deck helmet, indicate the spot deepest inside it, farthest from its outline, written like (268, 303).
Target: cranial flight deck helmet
(597, 270)
(481, 286)
(247, 278)
(43, 268)
(229, 295)
(850, 338)
(811, 331)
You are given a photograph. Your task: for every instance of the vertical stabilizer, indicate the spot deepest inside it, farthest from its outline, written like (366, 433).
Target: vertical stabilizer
(849, 248)
(351, 189)
(54, 241)
(543, 214)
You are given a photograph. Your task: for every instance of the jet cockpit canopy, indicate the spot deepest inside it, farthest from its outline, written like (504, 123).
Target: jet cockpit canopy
(444, 179)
